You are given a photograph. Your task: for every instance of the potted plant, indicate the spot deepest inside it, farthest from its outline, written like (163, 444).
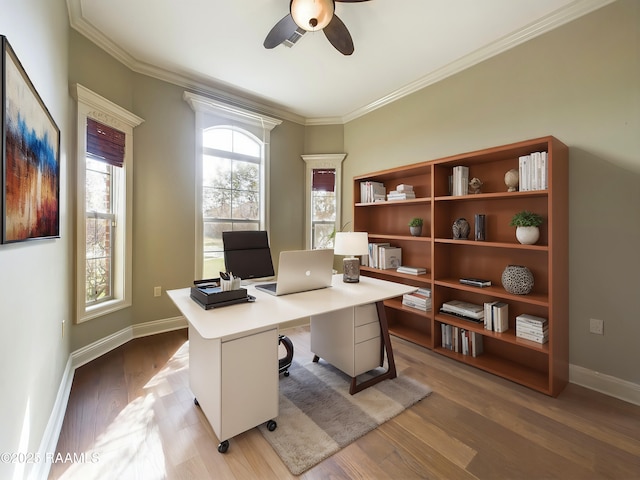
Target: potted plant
(527, 223)
(415, 226)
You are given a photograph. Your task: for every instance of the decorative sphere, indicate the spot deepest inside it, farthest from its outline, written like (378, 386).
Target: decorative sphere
(517, 279)
(511, 180)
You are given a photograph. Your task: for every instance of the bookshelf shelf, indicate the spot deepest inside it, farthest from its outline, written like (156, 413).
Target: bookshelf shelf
(542, 367)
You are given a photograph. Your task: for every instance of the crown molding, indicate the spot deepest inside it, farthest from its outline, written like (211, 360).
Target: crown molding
(554, 20)
(232, 95)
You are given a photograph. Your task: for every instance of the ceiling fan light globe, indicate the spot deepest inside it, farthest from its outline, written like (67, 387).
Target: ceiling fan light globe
(312, 15)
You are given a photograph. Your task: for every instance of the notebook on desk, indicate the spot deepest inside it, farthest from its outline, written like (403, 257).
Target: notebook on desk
(300, 271)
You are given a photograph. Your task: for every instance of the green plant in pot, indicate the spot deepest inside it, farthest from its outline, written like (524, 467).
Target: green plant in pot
(415, 226)
(527, 223)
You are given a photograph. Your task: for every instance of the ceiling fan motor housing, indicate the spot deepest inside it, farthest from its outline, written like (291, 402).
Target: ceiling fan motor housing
(312, 15)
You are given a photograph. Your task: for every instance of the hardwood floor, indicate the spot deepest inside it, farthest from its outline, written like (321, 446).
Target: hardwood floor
(131, 416)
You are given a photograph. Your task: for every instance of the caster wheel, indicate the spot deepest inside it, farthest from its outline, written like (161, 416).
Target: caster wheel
(286, 374)
(196, 402)
(223, 447)
(271, 425)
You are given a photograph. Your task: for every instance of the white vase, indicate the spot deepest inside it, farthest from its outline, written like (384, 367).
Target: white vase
(527, 235)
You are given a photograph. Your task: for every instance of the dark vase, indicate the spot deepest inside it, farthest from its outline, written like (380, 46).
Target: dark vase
(461, 229)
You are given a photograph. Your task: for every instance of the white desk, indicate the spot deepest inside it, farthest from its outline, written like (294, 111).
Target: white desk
(233, 351)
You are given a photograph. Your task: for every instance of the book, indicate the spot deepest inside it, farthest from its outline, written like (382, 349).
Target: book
(466, 309)
(394, 195)
(460, 180)
(411, 270)
(374, 253)
(500, 315)
(403, 187)
(488, 315)
(533, 338)
(476, 282)
(389, 257)
(371, 191)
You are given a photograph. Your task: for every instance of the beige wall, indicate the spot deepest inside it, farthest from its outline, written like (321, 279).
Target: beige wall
(35, 277)
(580, 83)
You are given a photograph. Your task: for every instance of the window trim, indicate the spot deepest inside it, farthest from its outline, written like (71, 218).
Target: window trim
(323, 160)
(92, 105)
(210, 113)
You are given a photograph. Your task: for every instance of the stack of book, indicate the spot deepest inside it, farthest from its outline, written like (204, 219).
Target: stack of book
(496, 316)
(372, 192)
(532, 328)
(402, 192)
(461, 340)
(420, 299)
(464, 310)
(460, 183)
(411, 270)
(532, 170)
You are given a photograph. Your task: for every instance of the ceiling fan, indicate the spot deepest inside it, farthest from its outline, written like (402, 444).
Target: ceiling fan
(310, 16)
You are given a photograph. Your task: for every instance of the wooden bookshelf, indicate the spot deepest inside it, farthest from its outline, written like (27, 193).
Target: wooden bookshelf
(542, 367)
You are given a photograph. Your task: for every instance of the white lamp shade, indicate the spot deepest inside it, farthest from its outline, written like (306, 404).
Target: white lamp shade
(312, 15)
(351, 243)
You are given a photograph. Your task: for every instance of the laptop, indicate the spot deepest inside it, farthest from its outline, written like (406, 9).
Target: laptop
(300, 271)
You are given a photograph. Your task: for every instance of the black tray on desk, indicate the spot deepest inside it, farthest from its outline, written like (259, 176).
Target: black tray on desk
(208, 294)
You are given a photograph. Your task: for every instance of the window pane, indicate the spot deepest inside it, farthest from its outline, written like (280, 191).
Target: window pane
(220, 138)
(98, 184)
(322, 237)
(246, 176)
(323, 206)
(216, 171)
(216, 203)
(246, 145)
(231, 196)
(98, 259)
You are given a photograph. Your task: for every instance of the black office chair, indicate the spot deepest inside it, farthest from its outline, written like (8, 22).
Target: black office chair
(247, 255)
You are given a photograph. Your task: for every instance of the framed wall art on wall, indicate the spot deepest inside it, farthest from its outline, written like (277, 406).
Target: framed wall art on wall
(30, 157)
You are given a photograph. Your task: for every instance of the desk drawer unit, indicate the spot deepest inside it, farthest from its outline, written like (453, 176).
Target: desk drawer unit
(349, 339)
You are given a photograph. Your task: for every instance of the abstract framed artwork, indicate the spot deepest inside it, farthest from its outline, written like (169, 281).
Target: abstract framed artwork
(30, 158)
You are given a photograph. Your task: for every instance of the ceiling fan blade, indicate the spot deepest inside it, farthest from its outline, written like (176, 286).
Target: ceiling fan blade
(281, 31)
(339, 36)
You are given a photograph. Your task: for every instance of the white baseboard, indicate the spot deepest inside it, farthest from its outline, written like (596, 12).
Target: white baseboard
(77, 359)
(612, 386)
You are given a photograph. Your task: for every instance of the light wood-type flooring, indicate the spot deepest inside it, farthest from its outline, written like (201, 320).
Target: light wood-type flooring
(132, 407)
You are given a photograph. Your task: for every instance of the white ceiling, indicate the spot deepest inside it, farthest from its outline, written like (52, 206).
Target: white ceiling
(400, 46)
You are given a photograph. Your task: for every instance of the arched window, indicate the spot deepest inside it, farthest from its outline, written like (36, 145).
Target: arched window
(232, 170)
(232, 198)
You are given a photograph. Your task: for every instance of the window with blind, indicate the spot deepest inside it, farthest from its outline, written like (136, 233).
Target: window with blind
(324, 173)
(323, 207)
(104, 205)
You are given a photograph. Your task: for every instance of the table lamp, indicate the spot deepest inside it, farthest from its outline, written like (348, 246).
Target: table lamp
(351, 244)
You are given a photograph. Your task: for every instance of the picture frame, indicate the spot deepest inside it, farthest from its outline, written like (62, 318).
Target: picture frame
(30, 202)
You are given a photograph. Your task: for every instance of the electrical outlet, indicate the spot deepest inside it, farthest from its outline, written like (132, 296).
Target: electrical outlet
(157, 291)
(596, 326)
